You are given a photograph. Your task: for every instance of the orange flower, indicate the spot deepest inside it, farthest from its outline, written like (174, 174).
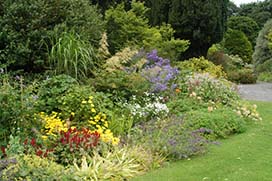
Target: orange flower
(178, 90)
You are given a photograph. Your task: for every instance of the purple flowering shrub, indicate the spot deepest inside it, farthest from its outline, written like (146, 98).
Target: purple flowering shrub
(171, 138)
(159, 73)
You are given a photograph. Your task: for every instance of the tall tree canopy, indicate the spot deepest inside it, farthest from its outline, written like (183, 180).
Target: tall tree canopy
(259, 11)
(201, 22)
(245, 24)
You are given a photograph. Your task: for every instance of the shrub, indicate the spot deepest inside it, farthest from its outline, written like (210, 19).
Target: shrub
(207, 88)
(170, 137)
(27, 27)
(245, 24)
(131, 28)
(31, 167)
(237, 43)
(243, 76)
(146, 107)
(111, 165)
(262, 52)
(159, 73)
(51, 90)
(201, 65)
(222, 121)
(17, 106)
(265, 76)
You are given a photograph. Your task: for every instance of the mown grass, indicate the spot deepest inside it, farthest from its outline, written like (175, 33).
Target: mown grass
(247, 156)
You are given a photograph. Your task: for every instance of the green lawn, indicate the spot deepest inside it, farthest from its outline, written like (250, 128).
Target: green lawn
(247, 156)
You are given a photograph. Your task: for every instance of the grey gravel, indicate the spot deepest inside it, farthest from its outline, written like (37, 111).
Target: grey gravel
(259, 91)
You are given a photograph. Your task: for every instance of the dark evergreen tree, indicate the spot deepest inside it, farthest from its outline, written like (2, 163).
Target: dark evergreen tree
(201, 22)
(159, 11)
(246, 25)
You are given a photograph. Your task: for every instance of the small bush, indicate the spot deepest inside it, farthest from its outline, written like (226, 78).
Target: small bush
(222, 121)
(237, 43)
(31, 167)
(170, 137)
(201, 65)
(207, 88)
(51, 90)
(265, 77)
(243, 76)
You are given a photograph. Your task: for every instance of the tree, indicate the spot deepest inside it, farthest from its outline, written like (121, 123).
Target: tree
(236, 43)
(259, 11)
(262, 53)
(131, 28)
(245, 24)
(201, 22)
(159, 11)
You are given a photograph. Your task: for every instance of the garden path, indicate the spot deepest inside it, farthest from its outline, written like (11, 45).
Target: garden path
(259, 91)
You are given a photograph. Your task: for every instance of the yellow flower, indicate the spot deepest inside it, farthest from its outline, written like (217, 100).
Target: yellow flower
(92, 122)
(84, 102)
(93, 110)
(115, 141)
(72, 113)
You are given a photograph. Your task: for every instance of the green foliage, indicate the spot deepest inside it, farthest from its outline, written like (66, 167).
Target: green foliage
(262, 52)
(207, 88)
(72, 56)
(259, 11)
(237, 43)
(126, 28)
(245, 24)
(265, 77)
(200, 22)
(26, 28)
(31, 167)
(222, 121)
(243, 76)
(170, 137)
(269, 36)
(17, 103)
(118, 164)
(15, 146)
(201, 65)
(121, 83)
(51, 90)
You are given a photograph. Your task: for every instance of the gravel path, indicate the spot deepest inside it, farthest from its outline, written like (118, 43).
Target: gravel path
(259, 92)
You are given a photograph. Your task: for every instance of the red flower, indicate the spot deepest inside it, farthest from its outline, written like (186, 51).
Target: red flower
(39, 152)
(3, 149)
(33, 142)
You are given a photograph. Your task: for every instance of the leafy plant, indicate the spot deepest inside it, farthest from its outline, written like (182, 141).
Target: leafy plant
(207, 88)
(221, 121)
(51, 90)
(170, 137)
(32, 167)
(72, 56)
(201, 65)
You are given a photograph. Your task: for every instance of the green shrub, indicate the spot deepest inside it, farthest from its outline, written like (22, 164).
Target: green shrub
(72, 56)
(51, 90)
(245, 24)
(243, 76)
(26, 28)
(201, 65)
(222, 121)
(262, 52)
(207, 88)
(237, 43)
(170, 137)
(121, 83)
(17, 106)
(31, 167)
(131, 27)
(265, 77)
